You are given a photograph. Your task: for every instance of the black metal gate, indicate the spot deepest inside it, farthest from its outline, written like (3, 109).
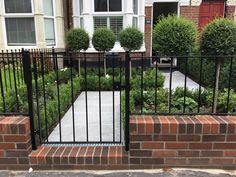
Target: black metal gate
(74, 102)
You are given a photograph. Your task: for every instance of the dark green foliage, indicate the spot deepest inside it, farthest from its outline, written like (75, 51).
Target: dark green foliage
(174, 36)
(190, 104)
(77, 39)
(149, 78)
(103, 39)
(219, 37)
(208, 74)
(131, 39)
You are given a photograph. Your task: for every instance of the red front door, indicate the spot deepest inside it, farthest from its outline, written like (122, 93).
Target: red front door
(210, 10)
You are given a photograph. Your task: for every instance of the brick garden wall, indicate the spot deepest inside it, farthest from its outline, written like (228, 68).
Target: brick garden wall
(155, 142)
(15, 143)
(185, 141)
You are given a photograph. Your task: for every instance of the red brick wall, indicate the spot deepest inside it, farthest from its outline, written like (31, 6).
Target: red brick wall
(155, 142)
(148, 30)
(185, 141)
(190, 12)
(15, 143)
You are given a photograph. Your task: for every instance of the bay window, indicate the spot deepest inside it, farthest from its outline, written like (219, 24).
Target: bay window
(135, 11)
(107, 5)
(49, 22)
(19, 21)
(115, 23)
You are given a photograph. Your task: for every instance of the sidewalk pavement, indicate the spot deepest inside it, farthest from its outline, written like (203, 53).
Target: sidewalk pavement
(135, 173)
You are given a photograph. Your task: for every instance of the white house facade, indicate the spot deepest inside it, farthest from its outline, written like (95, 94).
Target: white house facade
(113, 14)
(31, 24)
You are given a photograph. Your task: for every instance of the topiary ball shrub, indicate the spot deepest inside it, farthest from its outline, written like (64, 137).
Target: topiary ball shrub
(77, 39)
(103, 39)
(219, 37)
(131, 39)
(174, 36)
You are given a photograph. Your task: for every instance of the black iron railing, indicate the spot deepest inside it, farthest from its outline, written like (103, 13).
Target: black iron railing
(75, 98)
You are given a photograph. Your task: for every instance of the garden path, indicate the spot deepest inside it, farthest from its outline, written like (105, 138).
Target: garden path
(106, 114)
(178, 80)
(93, 119)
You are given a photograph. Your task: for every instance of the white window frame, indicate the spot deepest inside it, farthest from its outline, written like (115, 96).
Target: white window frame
(54, 23)
(116, 13)
(81, 11)
(109, 14)
(17, 15)
(108, 20)
(136, 16)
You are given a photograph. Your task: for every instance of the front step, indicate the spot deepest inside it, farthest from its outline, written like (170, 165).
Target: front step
(68, 157)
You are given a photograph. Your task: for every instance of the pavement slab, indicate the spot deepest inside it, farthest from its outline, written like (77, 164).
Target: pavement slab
(140, 173)
(93, 121)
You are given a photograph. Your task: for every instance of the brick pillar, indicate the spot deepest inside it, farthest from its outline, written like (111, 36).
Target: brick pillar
(15, 143)
(148, 30)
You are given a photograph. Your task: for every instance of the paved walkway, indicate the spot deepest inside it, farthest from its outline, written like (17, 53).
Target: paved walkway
(93, 119)
(178, 80)
(143, 173)
(106, 114)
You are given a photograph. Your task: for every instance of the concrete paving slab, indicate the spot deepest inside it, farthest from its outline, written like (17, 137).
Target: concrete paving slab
(178, 80)
(93, 121)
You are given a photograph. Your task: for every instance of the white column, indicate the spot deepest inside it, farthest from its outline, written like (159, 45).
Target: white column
(39, 24)
(88, 18)
(128, 7)
(3, 41)
(88, 21)
(76, 13)
(142, 21)
(59, 28)
(142, 15)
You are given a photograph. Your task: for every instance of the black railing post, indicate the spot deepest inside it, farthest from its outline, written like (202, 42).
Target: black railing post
(28, 82)
(127, 102)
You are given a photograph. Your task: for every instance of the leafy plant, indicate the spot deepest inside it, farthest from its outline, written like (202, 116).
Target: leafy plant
(77, 39)
(189, 104)
(131, 39)
(218, 37)
(174, 35)
(103, 40)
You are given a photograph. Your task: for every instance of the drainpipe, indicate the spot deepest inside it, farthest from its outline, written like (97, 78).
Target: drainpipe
(226, 9)
(68, 13)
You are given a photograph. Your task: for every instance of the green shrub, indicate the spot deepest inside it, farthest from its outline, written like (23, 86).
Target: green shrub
(208, 72)
(219, 37)
(174, 36)
(103, 39)
(190, 104)
(131, 39)
(222, 101)
(149, 79)
(77, 39)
